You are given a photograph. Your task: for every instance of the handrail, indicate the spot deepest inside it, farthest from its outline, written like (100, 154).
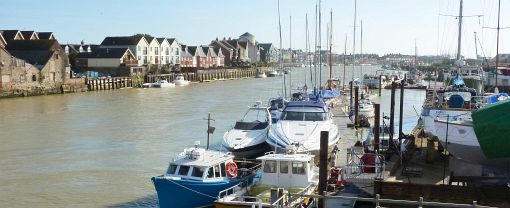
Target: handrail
(377, 200)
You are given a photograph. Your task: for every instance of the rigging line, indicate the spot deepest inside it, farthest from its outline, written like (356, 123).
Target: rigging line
(284, 90)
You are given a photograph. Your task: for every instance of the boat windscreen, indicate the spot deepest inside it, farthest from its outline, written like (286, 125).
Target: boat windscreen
(255, 125)
(303, 116)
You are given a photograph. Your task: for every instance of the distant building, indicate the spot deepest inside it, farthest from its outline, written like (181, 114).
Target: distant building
(218, 57)
(268, 52)
(186, 61)
(175, 51)
(226, 49)
(139, 46)
(111, 61)
(43, 63)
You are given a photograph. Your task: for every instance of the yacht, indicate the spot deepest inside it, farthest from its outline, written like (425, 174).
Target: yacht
(179, 80)
(247, 139)
(300, 125)
(372, 80)
(273, 73)
(366, 108)
(261, 74)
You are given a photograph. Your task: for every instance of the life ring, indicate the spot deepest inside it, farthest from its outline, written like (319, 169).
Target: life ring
(231, 169)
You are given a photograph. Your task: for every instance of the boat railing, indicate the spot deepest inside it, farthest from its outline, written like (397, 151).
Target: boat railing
(295, 198)
(364, 166)
(378, 201)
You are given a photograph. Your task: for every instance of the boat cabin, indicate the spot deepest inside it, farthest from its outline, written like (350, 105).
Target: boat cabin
(256, 118)
(288, 170)
(199, 164)
(305, 111)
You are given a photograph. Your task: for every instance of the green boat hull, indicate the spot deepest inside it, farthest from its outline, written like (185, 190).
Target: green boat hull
(491, 124)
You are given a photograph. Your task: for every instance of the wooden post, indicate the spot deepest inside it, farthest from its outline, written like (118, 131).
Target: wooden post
(356, 106)
(380, 84)
(377, 111)
(323, 165)
(392, 115)
(350, 95)
(401, 112)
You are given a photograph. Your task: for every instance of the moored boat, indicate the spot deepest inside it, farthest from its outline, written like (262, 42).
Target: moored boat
(195, 178)
(180, 81)
(295, 173)
(300, 125)
(247, 139)
(163, 84)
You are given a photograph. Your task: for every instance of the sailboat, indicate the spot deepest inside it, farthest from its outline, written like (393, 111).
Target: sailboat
(331, 91)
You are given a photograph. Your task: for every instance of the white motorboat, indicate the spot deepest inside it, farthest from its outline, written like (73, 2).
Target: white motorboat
(300, 125)
(366, 108)
(295, 173)
(180, 81)
(273, 73)
(261, 75)
(247, 139)
(372, 80)
(276, 106)
(163, 84)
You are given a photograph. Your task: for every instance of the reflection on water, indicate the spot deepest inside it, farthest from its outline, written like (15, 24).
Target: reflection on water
(99, 149)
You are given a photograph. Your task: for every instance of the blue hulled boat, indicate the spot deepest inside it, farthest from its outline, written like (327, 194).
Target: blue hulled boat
(196, 176)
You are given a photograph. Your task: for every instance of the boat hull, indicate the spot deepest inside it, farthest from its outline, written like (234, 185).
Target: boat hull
(430, 114)
(462, 142)
(250, 152)
(186, 193)
(181, 82)
(491, 125)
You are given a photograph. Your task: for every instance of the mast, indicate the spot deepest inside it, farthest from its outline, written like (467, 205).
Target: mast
(460, 32)
(315, 53)
(306, 46)
(361, 51)
(319, 46)
(330, 51)
(291, 55)
(284, 90)
(476, 48)
(497, 47)
(354, 41)
(345, 54)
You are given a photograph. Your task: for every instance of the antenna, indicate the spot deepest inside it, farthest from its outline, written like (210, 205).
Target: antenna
(210, 129)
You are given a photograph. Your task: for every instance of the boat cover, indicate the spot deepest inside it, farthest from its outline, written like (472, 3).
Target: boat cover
(491, 128)
(330, 93)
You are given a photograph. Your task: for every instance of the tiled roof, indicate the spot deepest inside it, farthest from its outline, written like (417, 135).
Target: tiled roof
(120, 41)
(24, 45)
(27, 34)
(104, 53)
(9, 34)
(44, 35)
(160, 40)
(149, 39)
(171, 40)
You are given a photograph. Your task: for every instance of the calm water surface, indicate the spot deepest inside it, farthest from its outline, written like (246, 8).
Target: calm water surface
(99, 149)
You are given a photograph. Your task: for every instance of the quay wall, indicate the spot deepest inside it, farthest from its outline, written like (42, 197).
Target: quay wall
(488, 196)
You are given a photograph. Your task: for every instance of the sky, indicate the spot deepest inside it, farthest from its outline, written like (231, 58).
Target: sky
(389, 26)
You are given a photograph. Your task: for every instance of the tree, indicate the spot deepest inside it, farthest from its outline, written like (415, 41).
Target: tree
(139, 35)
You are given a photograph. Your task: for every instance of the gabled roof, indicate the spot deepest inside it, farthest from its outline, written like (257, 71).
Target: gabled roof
(26, 45)
(161, 40)
(28, 34)
(121, 41)
(171, 40)
(11, 34)
(46, 35)
(265, 46)
(247, 34)
(105, 53)
(2, 40)
(149, 39)
(196, 51)
(205, 49)
(218, 52)
(213, 53)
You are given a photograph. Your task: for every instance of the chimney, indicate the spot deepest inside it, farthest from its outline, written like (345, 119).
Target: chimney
(224, 38)
(229, 38)
(216, 38)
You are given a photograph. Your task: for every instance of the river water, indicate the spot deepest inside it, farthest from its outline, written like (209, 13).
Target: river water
(99, 149)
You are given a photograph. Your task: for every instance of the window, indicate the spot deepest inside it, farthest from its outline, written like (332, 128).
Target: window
(183, 170)
(298, 168)
(139, 58)
(269, 166)
(34, 78)
(284, 166)
(171, 169)
(210, 173)
(22, 78)
(150, 49)
(223, 172)
(144, 50)
(156, 50)
(197, 172)
(217, 171)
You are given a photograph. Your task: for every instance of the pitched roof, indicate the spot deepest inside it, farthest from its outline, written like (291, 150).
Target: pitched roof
(2, 39)
(243, 44)
(265, 46)
(195, 51)
(120, 41)
(45, 35)
(171, 40)
(246, 34)
(104, 53)
(37, 57)
(149, 39)
(10, 34)
(27, 45)
(161, 40)
(28, 34)
(218, 52)
(205, 49)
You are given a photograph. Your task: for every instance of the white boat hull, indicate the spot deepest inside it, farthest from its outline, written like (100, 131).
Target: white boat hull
(429, 115)
(462, 141)
(181, 82)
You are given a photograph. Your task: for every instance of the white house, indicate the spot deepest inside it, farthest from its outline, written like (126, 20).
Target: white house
(106, 58)
(138, 45)
(154, 50)
(175, 51)
(164, 49)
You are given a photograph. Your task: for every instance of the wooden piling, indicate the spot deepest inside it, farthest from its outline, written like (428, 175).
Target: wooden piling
(380, 85)
(392, 115)
(323, 165)
(356, 106)
(377, 111)
(401, 111)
